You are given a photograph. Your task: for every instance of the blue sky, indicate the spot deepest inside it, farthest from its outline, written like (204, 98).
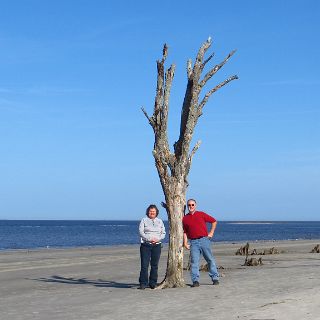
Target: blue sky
(73, 78)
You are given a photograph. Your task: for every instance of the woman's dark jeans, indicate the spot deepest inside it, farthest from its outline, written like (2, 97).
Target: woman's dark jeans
(149, 253)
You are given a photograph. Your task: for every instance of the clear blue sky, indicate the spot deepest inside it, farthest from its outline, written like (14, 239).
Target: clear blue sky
(74, 143)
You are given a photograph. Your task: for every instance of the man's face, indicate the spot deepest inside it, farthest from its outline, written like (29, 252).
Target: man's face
(191, 206)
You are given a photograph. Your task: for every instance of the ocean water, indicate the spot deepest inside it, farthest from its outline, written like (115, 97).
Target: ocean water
(30, 234)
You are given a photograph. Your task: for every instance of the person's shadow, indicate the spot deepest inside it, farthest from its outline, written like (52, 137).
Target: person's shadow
(96, 283)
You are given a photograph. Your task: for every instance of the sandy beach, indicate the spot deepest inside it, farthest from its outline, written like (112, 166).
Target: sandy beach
(101, 283)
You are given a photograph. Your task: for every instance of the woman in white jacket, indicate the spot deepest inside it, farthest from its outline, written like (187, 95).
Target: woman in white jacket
(152, 231)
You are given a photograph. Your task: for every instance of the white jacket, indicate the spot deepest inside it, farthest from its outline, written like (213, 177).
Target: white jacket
(151, 228)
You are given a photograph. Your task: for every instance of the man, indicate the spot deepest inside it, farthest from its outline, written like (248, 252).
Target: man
(195, 229)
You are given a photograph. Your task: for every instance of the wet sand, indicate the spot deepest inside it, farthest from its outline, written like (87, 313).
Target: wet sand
(101, 283)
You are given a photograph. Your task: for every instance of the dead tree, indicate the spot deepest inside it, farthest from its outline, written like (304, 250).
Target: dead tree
(173, 167)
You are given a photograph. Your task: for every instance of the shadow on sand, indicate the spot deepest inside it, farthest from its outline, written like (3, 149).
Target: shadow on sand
(96, 283)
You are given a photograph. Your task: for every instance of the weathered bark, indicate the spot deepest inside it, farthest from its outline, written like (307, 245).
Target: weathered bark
(173, 167)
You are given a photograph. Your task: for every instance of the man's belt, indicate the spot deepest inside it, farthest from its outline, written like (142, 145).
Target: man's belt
(197, 238)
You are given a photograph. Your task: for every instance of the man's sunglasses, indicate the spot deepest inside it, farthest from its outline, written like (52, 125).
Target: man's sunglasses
(191, 205)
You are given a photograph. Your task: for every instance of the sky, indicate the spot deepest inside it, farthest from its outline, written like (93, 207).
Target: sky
(74, 143)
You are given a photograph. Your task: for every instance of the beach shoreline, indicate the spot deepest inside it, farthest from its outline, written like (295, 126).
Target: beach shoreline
(115, 246)
(101, 283)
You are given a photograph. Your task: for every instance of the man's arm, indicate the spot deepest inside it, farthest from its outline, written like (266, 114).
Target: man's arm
(185, 241)
(213, 227)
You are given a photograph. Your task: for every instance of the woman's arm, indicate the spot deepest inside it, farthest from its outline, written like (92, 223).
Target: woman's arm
(163, 231)
(142, 233)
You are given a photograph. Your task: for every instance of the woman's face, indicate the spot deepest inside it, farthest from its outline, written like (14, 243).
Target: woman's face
(152, 213)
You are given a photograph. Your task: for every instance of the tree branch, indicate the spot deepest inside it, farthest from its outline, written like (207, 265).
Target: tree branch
(159, 120)
(197, 69)
(165, 108)
(207, 60)
(216, 88)
(189, 68)
(216, 69)
(189, 114)
(194, 150)
(164, 53)
(159, 94)
(149, 119)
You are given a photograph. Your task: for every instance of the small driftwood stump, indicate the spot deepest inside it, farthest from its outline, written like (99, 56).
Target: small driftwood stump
(203, 267)
(316, 249)
(253, 262)
(244, 251)
(272, 250)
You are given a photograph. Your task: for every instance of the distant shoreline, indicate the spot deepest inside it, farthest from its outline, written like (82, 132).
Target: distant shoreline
(59, 234)
(165, 245)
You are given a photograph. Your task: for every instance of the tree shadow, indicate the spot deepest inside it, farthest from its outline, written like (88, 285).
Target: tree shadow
(96, 283)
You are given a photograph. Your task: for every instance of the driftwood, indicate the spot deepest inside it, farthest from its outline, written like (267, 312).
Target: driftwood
(316, 249)
(203, 267)
(272, 250)
(253, 262)
(244, 251)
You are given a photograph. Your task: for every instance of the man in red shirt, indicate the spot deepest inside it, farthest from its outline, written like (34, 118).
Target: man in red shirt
(195, 229)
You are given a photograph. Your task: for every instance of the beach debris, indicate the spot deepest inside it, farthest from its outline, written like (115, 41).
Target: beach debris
(253, 262)
(272, 250)
(244, 251)
(316, 249)
(203, 267)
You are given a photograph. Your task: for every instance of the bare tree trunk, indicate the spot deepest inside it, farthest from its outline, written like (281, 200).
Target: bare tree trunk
(173, 168)
(174, 273)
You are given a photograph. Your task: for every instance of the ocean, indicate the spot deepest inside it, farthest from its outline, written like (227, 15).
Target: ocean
(31, 234)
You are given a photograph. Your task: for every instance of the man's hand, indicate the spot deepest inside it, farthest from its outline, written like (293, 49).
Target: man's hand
(187, 246)
(213, 227)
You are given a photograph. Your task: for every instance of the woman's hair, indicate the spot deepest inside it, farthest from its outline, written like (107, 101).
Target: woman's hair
(152, 206)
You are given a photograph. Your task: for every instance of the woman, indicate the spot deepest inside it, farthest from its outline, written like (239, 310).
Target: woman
(152, 231)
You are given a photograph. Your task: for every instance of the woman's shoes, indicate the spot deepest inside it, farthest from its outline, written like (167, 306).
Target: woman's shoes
(142, 286)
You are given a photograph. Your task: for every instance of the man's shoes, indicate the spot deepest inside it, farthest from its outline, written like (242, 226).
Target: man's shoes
(142, 287)
(195, 284)
(215, 282)
(152, 286)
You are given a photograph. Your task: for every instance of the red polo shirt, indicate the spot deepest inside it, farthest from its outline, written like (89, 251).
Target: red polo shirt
(194, 225)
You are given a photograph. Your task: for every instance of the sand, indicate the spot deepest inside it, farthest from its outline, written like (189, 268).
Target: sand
(101, 283)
